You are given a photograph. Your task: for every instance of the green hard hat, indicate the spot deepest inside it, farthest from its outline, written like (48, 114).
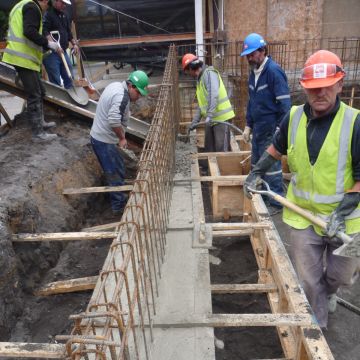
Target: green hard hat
(140, 80)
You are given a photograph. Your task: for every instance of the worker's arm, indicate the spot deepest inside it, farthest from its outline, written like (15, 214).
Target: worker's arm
(31, 24)
(120, 133)
(281, 93)
(212, 84)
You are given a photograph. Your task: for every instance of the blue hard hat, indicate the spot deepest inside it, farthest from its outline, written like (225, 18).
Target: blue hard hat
(251, 43)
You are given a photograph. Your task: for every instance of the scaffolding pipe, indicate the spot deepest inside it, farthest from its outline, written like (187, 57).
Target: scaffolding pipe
(199, 29)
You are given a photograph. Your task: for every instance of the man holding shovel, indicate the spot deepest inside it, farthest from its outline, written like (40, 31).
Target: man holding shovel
(56, 20)
(214, 104)
(107, 133)
(25, 44)
(322, 142)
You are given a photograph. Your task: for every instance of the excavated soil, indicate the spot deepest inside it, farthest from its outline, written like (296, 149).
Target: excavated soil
(33, 176)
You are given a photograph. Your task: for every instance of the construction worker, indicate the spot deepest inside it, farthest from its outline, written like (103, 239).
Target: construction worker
(25, 43)
(213, 101)
(269, 101)
(108, 130)
(322, 142)
(55, 19)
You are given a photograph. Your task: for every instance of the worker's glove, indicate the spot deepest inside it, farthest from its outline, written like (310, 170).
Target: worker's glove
(246, 134)
(193, 125)
(208, 120)
(54, 46)
(253, 180)
(337, 218)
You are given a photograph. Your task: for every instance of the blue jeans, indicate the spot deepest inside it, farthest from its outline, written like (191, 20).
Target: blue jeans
(56, 69)
(274, 175)
(114, 169)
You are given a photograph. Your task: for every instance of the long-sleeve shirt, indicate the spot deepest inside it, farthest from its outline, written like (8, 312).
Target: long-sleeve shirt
(113, 110)
(31, 23)
(269, 99)
(55, 20)
(316, 132)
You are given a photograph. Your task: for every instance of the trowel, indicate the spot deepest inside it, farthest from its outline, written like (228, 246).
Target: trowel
(77, 93)
(351, 245)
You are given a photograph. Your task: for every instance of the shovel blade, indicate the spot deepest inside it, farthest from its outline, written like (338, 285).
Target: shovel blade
(79, 95)
(352, 249)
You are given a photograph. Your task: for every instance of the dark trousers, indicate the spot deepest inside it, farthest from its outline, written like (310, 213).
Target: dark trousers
(33, 87)
(114, 169)
(217, 138)
(274, 175)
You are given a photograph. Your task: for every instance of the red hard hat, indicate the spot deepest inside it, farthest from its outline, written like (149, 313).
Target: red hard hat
(322, 69)
(187, 59)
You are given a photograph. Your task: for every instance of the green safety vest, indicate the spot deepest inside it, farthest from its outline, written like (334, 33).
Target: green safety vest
(223, 110)
(319, 188)
(21, 51)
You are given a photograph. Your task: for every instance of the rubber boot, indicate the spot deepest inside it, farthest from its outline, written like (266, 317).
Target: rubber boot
(44, 124)
(38, 133)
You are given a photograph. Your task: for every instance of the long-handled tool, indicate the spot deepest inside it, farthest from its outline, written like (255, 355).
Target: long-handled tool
(78, 94)
(350, 247)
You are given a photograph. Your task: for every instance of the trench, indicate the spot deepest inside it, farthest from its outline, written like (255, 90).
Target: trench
(36, 205)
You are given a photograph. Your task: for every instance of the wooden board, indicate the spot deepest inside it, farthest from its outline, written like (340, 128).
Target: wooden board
(97, 189)
(64, 236)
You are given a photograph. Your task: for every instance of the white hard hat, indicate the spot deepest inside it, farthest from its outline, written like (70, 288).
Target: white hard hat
(68, 2)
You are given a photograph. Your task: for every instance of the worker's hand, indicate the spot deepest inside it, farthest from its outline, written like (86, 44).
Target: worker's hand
(54, 46)
(346, 206)
(192, 126)
(123, 143)
(75, 49)
(208, 120)
(336, 223)
(246, 134)
(252, 181)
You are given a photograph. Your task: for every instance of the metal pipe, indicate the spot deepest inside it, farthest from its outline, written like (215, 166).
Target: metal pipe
(199, 29)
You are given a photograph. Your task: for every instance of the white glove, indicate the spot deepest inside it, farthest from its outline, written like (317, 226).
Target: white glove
(246, 134)
(54, 46)
(207, 120)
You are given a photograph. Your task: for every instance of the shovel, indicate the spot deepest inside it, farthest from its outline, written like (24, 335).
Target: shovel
(350, 247)
(78, 94)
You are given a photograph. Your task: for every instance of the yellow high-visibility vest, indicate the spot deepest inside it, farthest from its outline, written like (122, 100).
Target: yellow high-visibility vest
(223, 110)
(21, 51)
(319, 188)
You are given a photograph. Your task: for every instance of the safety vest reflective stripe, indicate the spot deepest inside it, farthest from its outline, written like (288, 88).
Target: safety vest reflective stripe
(12, 37)
(262, 87)
(26, 56)
(203, 108)
(343, 148)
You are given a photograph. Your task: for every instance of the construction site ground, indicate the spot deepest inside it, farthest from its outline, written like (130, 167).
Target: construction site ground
(31, 177)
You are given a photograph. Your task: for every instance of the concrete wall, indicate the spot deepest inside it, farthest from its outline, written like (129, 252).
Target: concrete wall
(290, 19)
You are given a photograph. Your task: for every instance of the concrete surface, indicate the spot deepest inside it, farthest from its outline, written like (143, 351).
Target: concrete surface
(184, 288)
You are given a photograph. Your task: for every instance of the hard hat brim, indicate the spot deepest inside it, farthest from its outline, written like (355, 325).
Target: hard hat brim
(247, 52)
(319, 83)
(143, 92)
(67, 2)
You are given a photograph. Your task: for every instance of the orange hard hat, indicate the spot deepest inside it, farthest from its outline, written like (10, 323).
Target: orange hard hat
(321, 69)
(187, 59)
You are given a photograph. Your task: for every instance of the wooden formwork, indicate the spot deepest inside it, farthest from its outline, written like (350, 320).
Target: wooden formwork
(276, 276)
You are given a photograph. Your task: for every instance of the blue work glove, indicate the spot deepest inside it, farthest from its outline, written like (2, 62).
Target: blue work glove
(253, 180)
(337, 218)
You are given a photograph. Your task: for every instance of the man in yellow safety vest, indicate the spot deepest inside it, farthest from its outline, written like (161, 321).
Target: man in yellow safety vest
(322, 142)
(214, 104)
(24, 50)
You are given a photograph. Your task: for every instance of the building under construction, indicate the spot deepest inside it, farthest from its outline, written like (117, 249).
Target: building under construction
(192, 269)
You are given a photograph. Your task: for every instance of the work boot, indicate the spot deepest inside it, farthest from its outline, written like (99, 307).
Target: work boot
(38, 134)
(332, 301)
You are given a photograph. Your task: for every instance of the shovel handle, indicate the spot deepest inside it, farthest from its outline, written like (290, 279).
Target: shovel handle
(66, 65)
(309, 216)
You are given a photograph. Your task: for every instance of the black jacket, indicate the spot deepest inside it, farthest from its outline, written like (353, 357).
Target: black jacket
(31, 23)
(58, 21)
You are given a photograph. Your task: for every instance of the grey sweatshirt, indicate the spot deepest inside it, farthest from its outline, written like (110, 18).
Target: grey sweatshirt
(113, 110)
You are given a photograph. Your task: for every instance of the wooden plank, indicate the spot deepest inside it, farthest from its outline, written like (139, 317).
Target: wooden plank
(242, 225)
(237, 320)
(97, 189)
(67, 286)
(32, 350)
(240, 178)
(205, 155)
(242, 288)
(102, 227)
(64, 236)
(232, 233)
